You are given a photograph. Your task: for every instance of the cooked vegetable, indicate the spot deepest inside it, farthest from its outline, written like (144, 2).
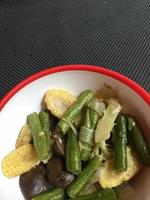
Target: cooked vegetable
(85, 151)
(33, 182)
(72, 155)
(138, 141)
(110, 177)
(52, 120)
(45, 121)
(103, 150)
(92, 185)
(106, 123)
(58, 144)
(19, 161)
(80, 181)
(65, 122)
(98, 106)
(83, 154)
(86, 134)
(106, 150)
(54, 194)
(58, 101)
(78, 120)
(121, 143)
(106, 194)
(41, 140)
(94, 110)
(88, 189)
(56, 173)
(24, 137)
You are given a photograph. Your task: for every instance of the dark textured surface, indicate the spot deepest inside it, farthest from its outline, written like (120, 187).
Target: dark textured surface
(38, 34)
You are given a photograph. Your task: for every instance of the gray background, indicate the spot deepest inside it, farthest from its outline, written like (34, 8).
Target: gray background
(35, 35)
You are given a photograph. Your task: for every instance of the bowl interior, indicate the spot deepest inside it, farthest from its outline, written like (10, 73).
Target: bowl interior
(28, 99)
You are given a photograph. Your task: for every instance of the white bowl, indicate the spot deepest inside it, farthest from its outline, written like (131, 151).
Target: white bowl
(26, 98)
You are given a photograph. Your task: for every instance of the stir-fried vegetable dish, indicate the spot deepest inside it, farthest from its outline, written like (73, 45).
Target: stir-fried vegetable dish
(80, 148)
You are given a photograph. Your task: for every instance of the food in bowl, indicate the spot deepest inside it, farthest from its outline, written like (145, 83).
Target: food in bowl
(80, 148)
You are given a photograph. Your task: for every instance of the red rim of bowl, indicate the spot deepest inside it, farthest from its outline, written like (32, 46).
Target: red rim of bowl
(134, 86)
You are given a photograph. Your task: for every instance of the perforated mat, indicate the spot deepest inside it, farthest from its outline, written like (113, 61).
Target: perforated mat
(35, 35)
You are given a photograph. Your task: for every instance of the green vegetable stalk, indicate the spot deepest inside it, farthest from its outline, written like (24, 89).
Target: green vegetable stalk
(105, 194)
(86, 136)
(54, 194)
(74, 110)
(138, 141)
(72, 155)
(80, 182)
(45, 121)
(121, 143)
(40, 140)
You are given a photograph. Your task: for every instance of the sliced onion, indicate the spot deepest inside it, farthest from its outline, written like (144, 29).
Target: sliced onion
(106, 123)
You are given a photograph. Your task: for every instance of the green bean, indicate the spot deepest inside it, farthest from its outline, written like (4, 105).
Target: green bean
(138, 141)
(73, 162)
(87, 120)
(45, 121)
(54, 194)
(74, 110)
(94, 116)
(85, 150)
(39, 137)
(121, 143)
(79, 183)
(105, 194)
(86, 135)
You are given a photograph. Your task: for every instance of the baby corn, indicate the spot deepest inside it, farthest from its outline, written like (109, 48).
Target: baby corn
(19, 161)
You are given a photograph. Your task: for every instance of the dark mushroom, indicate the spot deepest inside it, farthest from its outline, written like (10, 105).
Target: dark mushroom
(56, 173)
(33, 182)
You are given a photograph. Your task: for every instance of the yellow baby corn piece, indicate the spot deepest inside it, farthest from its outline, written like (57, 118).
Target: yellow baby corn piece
(58, 101)
(24, 137)
(109, 177)
(19, 161)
